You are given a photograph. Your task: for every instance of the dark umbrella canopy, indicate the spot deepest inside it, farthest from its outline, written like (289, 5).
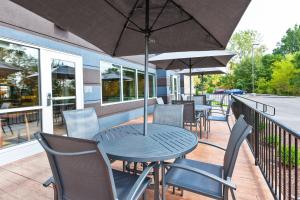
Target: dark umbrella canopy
(194, 59)
(132, 27)
(118, 27)
(7, 69)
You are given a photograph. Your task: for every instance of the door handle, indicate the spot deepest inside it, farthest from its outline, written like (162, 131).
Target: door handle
(49, 99)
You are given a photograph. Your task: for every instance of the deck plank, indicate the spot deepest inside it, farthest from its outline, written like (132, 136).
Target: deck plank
(23, 179)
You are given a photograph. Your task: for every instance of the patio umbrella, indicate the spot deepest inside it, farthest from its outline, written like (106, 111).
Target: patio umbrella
(7, 69)
(122, 28)
(192, 59)
(204, 71)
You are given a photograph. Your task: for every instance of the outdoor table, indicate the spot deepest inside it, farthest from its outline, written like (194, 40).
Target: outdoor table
(163, 142)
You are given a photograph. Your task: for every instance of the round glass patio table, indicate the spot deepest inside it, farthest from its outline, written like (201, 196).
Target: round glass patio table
(163, 142)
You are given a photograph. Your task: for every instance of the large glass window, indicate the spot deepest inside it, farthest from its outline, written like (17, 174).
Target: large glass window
(19, 75)
(152, 85)
(129, 84)
(141, 85)
(111, 82)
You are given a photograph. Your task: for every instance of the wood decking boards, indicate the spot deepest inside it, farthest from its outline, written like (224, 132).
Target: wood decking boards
(23, 179)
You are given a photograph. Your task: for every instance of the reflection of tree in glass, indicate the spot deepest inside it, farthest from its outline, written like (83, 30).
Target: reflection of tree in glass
(26, 60)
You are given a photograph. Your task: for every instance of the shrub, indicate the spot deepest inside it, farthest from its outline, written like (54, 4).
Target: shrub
(284, 152)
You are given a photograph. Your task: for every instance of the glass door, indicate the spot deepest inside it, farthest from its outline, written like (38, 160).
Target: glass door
(62, 88)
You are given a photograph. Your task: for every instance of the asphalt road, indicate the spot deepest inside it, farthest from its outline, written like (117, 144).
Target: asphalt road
(287, 109)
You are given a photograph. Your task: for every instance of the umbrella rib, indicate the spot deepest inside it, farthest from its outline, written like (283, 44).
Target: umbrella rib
(170, 64)
(180, 60)
(159, 14)
(178, 6)
(174, 24)
(125, 26)
(199, 61)
(218, 60)
(123, 15)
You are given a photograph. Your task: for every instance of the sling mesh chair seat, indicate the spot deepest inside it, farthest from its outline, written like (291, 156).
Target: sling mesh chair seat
(81, 170)
(82, 123)
(209, 179)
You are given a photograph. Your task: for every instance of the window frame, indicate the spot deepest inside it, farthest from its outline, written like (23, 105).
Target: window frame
(121, 85)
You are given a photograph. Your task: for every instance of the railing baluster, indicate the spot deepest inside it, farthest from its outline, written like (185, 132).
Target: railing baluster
(276, 171)
(290, 167)
(284, 161)
(280, 172)
(296, 168)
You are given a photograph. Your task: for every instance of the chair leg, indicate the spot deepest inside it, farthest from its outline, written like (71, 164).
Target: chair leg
(163, 187)
(232, 194)
(228, 126)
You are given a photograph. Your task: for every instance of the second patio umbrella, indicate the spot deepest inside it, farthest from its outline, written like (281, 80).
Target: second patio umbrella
(122, 28)
(192, 59)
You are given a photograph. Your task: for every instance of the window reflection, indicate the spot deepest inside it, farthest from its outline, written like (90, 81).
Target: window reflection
(128, 84)
(141, 84)
(19, 78)
(111, 81)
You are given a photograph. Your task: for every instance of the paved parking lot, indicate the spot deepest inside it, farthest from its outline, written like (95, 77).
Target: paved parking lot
(287, 109)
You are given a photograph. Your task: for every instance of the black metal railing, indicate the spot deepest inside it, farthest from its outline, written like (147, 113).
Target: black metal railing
(275, 148)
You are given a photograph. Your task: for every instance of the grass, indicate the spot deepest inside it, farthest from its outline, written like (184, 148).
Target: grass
(289, 153)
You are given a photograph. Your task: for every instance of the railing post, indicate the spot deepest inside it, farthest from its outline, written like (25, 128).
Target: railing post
(256, 137)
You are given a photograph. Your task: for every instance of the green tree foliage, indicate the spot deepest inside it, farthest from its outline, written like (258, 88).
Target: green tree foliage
(290, 43)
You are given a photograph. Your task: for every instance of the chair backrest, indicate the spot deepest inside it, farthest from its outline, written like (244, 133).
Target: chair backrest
(81, 123)
(5, 105)
(188, 110)
(199, 100)
(160, 101)
(169, 115)
(238, 134)
(222, 99)
(81, 169)
(230, 102)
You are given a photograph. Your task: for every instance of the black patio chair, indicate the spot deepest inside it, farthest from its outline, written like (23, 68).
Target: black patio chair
(81, 170)
(220, 117)
(82, 123)
(168, 115)
(189, 115)
(220, 106)
(204, 178)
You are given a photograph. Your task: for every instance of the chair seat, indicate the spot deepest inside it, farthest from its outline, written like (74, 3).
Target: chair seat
(195, 182)
(216, 118)
(125, 181)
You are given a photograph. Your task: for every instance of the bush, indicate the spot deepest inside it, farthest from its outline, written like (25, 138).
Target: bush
(272, 140)
(284, 152)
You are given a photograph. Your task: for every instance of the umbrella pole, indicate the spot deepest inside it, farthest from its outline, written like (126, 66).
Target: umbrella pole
(147, 32)
(190, 82)
(202, 83)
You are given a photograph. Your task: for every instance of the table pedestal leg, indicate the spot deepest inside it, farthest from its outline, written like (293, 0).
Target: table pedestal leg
(156, 182)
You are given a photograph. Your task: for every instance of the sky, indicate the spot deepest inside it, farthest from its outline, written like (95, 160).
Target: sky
(271, 18)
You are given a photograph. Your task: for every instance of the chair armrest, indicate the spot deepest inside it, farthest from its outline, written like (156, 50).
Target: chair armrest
(139, 181)
(48, 182)
(227, 182)
(213, 145)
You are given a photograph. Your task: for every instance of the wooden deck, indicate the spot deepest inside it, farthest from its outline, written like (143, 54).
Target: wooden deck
(23, 179)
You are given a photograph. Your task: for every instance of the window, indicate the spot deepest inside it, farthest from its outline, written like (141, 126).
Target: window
(152, 86)
(19, 87)
(129, 84)
(19, 75)
(111, 82)
(141, 85)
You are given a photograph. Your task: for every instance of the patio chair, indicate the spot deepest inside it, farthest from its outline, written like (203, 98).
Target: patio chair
(189, 114)
(81, 170)
(219, 107)
(200, 100)
(160, 101)
(207, 179)
(81, 123)
(168, 115)
(220, 117)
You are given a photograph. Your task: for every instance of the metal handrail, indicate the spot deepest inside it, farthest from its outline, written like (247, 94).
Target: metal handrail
(264, 106)
(290, 130)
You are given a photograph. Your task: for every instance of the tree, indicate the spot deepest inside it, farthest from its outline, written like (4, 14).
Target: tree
(290, 43)
(241, 43)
